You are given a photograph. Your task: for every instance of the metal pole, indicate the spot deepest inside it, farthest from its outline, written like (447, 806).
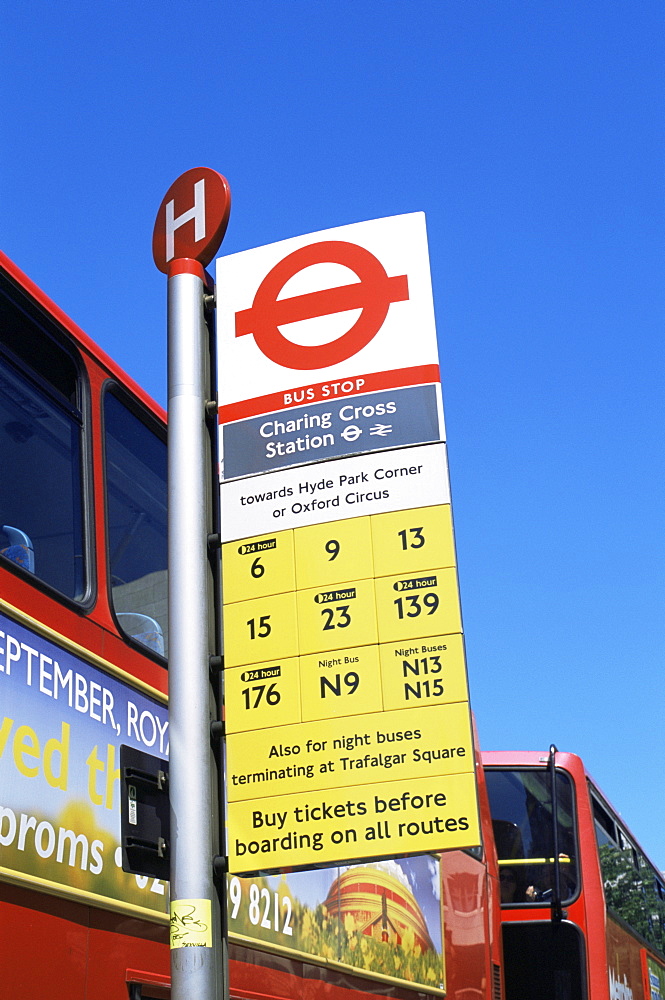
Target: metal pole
(557, 913)
(196, 967)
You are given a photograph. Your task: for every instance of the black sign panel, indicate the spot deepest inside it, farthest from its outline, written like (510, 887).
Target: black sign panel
(144, 809)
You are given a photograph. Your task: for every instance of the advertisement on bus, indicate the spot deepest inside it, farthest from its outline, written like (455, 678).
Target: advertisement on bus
(382, 919)
(63, 720)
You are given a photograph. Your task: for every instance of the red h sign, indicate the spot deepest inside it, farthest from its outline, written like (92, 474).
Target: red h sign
(192, 218)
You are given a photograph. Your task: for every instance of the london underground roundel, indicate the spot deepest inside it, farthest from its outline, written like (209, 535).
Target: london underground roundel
(338, 304)
(372, 293)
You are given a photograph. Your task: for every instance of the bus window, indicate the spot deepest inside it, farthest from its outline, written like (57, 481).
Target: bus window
(634, 890)
(521, 808)
(41, 519)
(135, 459)
(606, 831)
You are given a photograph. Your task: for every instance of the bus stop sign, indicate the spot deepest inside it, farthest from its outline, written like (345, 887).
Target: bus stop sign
(192, 218)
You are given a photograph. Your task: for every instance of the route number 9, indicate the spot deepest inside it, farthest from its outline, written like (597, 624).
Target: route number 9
(332, 547)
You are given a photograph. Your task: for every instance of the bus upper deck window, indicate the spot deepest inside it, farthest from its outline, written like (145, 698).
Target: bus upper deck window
(135, 456)
(41, 509)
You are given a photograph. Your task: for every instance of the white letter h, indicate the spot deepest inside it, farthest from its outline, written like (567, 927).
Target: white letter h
(198, 213)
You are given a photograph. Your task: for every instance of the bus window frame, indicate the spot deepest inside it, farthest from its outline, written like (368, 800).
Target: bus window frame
(153, 424)
(539, 903)
(626, 841)
(79, 414)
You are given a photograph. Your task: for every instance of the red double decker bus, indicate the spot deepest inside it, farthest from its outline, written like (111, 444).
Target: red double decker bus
(582, 906)
(83, 647)
(573, 909)
(83, 669)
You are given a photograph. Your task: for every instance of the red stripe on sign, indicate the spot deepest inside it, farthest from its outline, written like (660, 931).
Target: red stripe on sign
(313, 304)
(325, 392)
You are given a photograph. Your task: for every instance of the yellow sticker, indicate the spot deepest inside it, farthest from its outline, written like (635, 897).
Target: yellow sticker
(412, 606)
(255, 567)
(410, 540)
(423, 672)
(339, 683)
(262, 695)
(336, 617)
(264, 629)
(367, 821)
(334, 552)
(191, 923)
(339, 753)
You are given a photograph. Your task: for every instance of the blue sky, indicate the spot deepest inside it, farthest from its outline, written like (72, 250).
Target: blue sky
(531, 134)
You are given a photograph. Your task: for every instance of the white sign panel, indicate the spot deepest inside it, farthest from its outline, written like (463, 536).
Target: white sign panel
(331, 491)
(314, 317)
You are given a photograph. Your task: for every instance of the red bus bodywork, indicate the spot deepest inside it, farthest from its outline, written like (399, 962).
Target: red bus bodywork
(52, 946)
(614, 958)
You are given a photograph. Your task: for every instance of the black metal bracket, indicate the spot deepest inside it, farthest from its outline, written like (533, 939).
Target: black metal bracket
(220, 866)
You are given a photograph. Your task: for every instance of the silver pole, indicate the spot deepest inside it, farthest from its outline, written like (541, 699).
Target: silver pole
(196, 966)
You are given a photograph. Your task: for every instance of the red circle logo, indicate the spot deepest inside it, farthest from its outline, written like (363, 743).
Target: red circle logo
(373, 294)
(192, 218)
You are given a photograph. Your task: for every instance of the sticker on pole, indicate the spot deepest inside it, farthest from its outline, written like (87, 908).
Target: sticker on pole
(192, 218)
(191, 923)
(345, 302)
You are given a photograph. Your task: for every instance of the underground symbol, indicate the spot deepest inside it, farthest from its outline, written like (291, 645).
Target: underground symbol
(351, 433)
(373, 294)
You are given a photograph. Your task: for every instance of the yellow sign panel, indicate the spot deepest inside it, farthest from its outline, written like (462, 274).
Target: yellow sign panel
(342, 752)
(411, 540)
(372, 820)
(345, 682)
(340, 682)
(258, 566)
(345, 666)
(428, 671)
(333, 552)
(336, 617)
(262, 695)
(260, 630)
(414, 605)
